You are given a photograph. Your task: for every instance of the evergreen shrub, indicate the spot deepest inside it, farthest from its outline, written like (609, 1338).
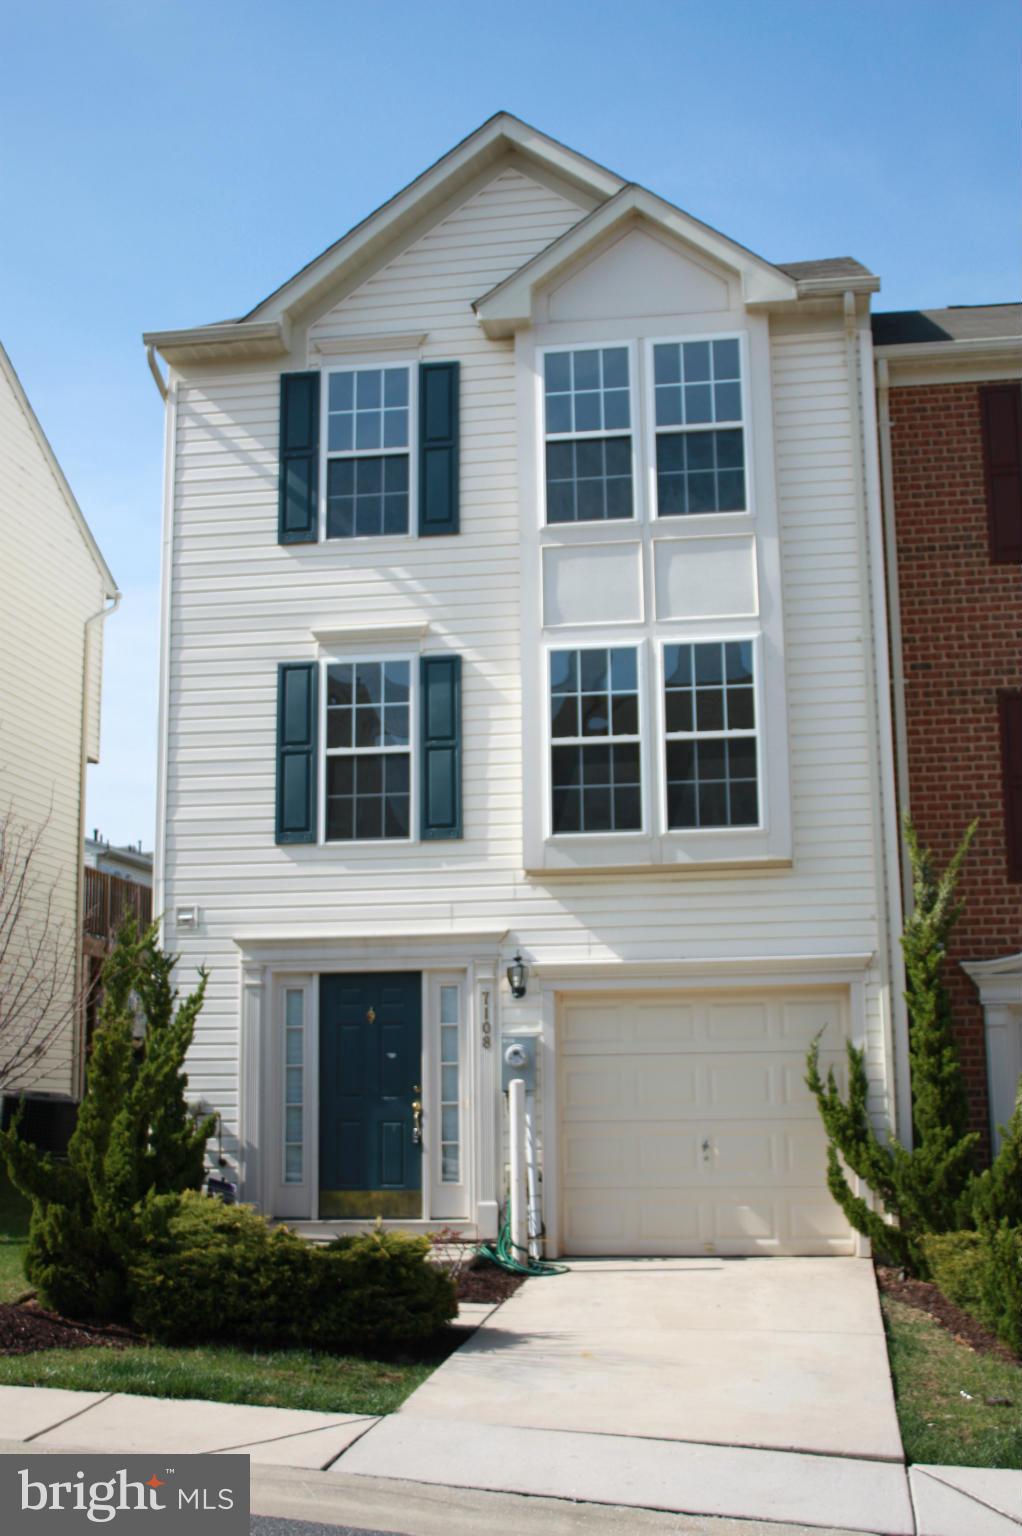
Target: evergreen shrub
(212, 1272)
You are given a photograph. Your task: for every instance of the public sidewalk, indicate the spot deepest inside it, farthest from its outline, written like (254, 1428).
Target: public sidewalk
(424, 1477)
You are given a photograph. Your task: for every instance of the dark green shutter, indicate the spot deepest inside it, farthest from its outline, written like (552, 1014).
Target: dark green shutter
(298, 514)
(297, 710)
(438, 448)
(440, 709)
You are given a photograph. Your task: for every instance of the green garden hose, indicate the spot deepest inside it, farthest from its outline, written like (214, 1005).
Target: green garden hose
(502, 1253)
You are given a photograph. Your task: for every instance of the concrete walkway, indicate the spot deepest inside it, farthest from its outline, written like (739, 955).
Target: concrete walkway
(787, 1354)
(439, 1478)
(752, 1390)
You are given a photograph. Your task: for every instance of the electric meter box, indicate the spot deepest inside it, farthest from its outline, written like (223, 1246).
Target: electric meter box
(518, 1059)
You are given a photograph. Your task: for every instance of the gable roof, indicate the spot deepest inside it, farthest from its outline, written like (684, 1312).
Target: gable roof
(7, 368)
(265, 330)
(509, 303)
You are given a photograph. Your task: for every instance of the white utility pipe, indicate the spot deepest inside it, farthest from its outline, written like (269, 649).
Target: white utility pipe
(535, 1220)
(518, 1199)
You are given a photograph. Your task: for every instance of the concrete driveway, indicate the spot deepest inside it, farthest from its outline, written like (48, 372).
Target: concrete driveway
(786, 1354)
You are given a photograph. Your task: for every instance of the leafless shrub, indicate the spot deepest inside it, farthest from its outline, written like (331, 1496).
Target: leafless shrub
(451, 1251)
(40, 991)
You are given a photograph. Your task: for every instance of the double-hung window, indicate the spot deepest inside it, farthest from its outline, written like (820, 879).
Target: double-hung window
(368, 449)
(699, 424)
(595, 761)
(710, 731)
(368, 750)
(588, 422)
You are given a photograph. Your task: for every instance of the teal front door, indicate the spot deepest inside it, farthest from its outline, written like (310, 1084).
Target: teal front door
(370, 1079)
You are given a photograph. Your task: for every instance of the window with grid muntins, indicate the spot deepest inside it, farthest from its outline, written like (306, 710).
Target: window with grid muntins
(450, 1093)
(368, 750)
(596, 776)
(368, 443)
(700, 438)
(294, 1091)
(710, 729)
(588, 435)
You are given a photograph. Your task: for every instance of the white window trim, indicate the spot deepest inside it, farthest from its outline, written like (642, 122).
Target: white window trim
(609, 641)
(633, 432)
(708, 521)
(290, 1183)
(370, 365)
(678, 852)
(709, 637)
(349, 658)
(456, 1187)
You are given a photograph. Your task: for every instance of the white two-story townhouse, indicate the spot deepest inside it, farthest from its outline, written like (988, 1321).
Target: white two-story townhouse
(523, 610)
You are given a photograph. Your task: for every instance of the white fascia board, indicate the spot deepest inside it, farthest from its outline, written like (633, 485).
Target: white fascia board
(833, 966)
(937, 362)
(508, 306)
(236, 339)
(501, 135)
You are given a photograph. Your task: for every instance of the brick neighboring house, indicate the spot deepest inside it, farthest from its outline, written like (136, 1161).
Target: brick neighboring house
(950, 411)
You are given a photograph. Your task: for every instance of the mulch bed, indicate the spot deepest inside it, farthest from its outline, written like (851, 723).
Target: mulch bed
(485, 1282)
(28, 1327)
(927, 1298)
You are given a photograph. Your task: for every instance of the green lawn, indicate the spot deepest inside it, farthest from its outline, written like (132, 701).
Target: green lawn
(13, 1229)
(931, 1372)
(290, 1378)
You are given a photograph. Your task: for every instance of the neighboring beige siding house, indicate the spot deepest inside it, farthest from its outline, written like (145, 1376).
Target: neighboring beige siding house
(56, 591)
(523, 592)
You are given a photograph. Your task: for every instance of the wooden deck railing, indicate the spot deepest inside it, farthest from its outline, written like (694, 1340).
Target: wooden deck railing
(109, 900)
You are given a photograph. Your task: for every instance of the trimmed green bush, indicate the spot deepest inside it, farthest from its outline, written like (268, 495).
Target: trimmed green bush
(379, 1290)
(981, 1272)
(208, 1271)
(1002, 1282)
(955, 1261)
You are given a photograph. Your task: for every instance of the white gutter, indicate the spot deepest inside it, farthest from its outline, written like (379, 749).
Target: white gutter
(78, 1059)
(858, 349)
(883, 379)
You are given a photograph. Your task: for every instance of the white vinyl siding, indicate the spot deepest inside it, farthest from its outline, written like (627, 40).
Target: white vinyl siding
(241, 604)
(51, 586)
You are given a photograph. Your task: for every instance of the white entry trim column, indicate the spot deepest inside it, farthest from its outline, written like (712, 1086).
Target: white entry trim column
(1000, 991)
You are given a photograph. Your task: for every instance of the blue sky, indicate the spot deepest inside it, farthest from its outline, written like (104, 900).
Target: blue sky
(169, 162)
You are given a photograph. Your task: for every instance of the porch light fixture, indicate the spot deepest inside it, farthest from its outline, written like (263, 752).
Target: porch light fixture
(517, 975)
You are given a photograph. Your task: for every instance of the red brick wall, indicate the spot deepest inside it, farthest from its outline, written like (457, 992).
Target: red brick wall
(962, 641)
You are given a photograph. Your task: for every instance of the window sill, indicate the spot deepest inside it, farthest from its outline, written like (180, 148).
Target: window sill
(666, 853)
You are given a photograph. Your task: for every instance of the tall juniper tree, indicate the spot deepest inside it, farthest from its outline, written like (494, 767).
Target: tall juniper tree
(925, 1189)
(135, 1135)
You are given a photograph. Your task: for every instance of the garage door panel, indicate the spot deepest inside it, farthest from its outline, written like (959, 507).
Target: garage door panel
(686, 1125)
(743, 1154)
(738, 1021)
(666, 1081)
(801, 1022)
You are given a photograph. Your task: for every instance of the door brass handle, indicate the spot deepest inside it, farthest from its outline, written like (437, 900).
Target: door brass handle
(416, 1121)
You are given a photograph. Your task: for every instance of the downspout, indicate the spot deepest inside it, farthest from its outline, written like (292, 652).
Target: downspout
(858, 347)
(94, 618)
(169, 396)
(154, 369)
(883, 376)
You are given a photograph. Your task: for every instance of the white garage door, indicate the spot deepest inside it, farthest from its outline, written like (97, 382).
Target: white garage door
(687, 1128)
